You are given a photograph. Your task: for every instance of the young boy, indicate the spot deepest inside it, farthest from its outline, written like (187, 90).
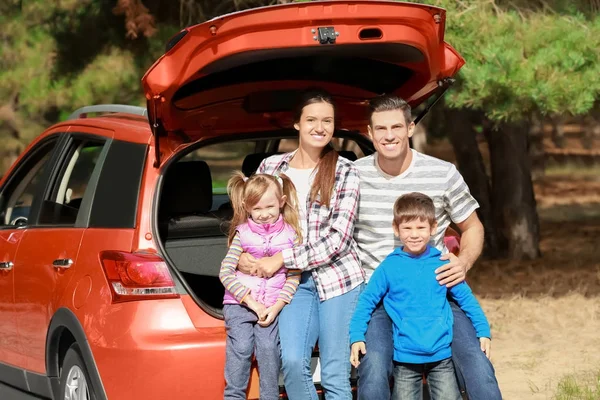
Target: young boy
(418, 307)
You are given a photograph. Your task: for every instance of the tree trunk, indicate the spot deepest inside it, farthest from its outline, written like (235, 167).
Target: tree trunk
(461, 130)
(536, 149)
(513, 199)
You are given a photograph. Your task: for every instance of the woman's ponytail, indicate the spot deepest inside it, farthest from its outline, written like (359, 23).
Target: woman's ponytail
(324, 181)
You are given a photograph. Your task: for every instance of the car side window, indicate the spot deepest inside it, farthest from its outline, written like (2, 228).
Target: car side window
(66, 197)
(18, 195)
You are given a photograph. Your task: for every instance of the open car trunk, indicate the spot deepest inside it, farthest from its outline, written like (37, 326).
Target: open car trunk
(240, 75)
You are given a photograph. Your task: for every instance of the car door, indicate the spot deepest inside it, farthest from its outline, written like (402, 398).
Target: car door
(18, 196)
(47, 255)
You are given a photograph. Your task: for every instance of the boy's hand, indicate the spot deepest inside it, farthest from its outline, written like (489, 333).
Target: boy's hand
(247, 264)
(453, 273)
(258, 308)
(270, 313)
(357, 349)
(486, 346)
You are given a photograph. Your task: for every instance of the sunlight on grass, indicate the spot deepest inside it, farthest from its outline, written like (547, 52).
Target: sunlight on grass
(580, 388)
(573, 169)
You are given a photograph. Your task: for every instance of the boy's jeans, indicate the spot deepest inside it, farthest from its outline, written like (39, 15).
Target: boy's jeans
(470, 362)
(301, 323)
(244, 337)
(441, 381)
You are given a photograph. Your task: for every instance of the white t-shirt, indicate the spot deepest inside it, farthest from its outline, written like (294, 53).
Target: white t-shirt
(302, 179)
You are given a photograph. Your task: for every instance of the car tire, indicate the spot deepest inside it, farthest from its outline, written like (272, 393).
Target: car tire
(74, 377)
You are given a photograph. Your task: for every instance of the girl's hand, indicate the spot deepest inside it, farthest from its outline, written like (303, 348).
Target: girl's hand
(357, 349)
(258, 308)
(486, 346)
(267, 266)
(271, 313)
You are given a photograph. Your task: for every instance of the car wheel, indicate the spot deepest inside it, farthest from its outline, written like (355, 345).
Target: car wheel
(74, 378)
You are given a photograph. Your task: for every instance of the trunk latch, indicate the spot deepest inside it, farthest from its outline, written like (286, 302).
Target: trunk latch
(327, 35)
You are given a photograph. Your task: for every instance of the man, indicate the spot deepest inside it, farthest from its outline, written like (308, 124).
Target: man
(393, 170)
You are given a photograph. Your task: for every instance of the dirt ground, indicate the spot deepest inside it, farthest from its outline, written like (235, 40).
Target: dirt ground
(545, 314)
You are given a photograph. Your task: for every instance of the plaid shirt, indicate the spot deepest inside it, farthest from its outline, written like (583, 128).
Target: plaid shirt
(330, 251)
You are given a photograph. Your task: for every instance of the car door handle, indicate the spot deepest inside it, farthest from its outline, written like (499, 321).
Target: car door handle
(6, 265)
(62, 263)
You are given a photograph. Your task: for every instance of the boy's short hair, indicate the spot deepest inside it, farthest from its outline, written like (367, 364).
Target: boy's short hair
(411, 206)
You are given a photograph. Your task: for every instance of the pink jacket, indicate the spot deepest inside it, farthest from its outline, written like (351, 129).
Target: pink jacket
(263, 241)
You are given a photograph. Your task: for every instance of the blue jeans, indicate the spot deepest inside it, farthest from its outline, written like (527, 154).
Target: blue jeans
(475, 372)
(304, 321)
(376, 367)
(244, 338)
(441, 381)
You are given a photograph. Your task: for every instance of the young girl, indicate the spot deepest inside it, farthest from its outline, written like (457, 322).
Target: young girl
(264, 223)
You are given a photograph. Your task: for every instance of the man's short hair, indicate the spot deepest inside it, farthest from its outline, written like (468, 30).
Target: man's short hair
(389, 102)
(412, 206)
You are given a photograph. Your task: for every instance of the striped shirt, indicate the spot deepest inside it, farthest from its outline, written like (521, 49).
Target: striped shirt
(329, 252)
(237, 289)
(438, 179)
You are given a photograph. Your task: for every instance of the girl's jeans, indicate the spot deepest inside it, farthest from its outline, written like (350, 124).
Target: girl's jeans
(245, 337)
(304, 321)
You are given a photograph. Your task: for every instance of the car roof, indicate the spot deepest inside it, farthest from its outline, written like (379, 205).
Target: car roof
(119, 126)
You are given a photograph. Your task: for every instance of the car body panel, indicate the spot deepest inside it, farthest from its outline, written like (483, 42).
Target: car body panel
(10, 349)
(274, 33)
(39, 286)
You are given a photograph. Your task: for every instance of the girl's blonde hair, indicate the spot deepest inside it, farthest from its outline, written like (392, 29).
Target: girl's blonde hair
(245, 192)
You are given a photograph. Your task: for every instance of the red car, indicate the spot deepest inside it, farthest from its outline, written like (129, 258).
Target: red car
(112, 226)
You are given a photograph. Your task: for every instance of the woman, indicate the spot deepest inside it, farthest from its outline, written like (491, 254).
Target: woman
(332, 278)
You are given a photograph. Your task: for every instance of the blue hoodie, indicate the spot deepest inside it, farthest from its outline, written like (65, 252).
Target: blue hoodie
(417, 305)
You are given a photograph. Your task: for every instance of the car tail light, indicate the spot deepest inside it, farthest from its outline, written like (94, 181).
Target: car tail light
(137, 276)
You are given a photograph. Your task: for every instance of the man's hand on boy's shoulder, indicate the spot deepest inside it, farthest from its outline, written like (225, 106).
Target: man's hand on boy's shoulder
(358, 349)
(452, 273)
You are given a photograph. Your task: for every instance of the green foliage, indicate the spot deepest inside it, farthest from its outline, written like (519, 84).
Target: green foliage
(58, 56)
(519, 64)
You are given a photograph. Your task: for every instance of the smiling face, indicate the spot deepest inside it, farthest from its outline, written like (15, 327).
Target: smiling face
(268, 208)
(316, 125)
(390, 133)
(414, 234)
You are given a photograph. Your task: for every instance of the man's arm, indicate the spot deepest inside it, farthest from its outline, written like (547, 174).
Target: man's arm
(471, 245)
(471, 240)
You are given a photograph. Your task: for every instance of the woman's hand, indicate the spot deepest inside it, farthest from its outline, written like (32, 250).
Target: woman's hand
(271, 313)
(267, 266)
(247, 264)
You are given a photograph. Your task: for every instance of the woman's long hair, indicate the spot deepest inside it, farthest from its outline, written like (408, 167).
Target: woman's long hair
(324, 181)
(244, 193)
